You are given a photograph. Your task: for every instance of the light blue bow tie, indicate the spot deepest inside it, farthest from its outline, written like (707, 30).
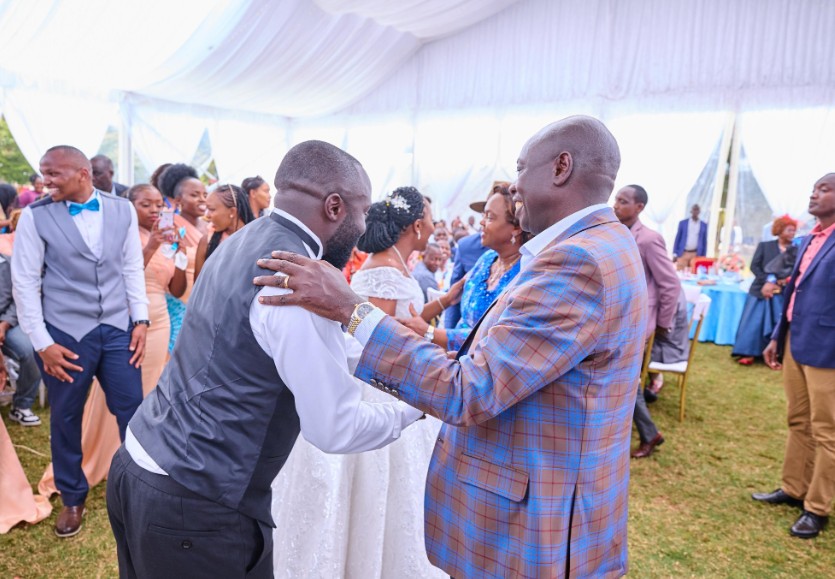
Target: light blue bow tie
(92, 205)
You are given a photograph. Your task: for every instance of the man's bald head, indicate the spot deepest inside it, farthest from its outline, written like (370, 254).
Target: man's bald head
(329, 191)
(69, 156)
(102, 172)
(594, 152)
(565, 167)
(319, 168)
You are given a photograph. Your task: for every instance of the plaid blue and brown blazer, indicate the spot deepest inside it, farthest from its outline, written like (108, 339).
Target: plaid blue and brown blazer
(530, 473)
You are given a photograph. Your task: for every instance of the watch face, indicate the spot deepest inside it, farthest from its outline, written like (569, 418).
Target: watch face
(364, 309)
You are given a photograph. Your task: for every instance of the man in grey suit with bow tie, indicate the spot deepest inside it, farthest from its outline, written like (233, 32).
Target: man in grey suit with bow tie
(81, 300)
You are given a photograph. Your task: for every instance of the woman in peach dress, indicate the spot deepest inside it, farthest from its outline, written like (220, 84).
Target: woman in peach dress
(17, 502)
(99, 431)
(184, 191)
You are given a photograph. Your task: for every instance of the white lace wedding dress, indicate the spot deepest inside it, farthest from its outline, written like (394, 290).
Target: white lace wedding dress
(358, 516)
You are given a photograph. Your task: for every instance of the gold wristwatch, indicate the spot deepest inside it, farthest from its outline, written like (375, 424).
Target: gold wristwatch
(360, 311)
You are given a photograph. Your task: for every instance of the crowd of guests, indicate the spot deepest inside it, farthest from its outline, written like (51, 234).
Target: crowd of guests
(437, 280)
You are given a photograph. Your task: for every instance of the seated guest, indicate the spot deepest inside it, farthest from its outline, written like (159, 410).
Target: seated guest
(258, 192)
(664, 292)
(182, 189)
(424, 271)
(16, 345)
(764, 302)
(228, 210)
(493, 271)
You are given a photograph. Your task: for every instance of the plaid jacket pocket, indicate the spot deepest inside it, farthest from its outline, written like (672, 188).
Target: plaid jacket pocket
(504, 481)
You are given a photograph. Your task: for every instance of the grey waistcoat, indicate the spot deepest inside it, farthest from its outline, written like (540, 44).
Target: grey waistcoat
(221, 422)
(80, 292)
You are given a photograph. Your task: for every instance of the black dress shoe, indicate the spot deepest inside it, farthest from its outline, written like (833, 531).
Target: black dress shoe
(650, 396)
(809, 525)
(778, 497)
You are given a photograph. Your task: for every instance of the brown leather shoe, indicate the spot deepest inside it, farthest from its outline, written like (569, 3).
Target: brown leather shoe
(647, 448)
(69, 521)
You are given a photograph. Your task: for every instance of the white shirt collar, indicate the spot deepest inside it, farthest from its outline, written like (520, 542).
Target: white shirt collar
(306, 230)
(536, 244)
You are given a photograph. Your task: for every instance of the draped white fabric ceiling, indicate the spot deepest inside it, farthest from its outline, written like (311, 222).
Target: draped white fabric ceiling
(436, 93)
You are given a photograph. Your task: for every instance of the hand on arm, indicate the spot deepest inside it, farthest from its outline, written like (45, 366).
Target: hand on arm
(317, 286)
(420, 326)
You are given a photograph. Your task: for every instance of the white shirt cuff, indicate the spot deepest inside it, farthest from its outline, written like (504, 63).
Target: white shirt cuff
(139, 312)
(40, 339)
(409, 414)
(367, 326)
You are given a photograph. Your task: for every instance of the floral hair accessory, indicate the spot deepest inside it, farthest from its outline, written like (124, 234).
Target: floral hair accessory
(398, 203)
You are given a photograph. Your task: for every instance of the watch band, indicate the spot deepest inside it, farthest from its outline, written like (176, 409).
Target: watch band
(357, 316)
(142, 322)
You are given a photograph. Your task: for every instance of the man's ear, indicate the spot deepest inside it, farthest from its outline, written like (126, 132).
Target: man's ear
(562, 167)
(334, 206)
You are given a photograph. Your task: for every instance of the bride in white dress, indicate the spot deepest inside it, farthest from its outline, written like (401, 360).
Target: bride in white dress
(361, 516)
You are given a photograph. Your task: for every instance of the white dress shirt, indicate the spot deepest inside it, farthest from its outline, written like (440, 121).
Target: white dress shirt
(693, 228)
(29, 251)
(310, 355)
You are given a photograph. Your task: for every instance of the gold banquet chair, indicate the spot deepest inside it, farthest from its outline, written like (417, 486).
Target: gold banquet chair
(682, 369)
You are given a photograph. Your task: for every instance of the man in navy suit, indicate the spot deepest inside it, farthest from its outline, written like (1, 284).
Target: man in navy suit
(691, 239)
(805, 339)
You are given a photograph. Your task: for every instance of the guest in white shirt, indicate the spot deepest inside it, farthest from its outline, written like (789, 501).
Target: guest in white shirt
(82, 303)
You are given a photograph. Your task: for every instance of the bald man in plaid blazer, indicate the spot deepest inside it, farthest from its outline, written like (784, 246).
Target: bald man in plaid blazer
(530, 474)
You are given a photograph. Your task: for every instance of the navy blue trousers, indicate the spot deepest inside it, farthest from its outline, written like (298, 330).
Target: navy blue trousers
(103, 354)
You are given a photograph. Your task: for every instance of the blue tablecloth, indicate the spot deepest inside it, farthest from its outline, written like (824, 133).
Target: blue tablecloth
(726, 304)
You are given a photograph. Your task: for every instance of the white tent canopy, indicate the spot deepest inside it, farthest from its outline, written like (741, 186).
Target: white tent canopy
(436, 93)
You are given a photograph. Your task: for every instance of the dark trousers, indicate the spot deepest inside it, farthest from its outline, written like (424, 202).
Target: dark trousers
(643, 421)
(104, 354)
(162, 529)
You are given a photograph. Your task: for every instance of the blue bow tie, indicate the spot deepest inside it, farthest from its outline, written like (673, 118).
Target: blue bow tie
(92, 205)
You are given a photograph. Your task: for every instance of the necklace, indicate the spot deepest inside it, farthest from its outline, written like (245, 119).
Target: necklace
(405, 267)
(500, 269)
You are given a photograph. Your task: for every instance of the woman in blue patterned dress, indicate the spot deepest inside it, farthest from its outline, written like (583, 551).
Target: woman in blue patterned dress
(494, 270)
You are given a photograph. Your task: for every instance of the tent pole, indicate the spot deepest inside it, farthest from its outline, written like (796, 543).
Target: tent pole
(719, 184)
(126, 175)
(733, 187)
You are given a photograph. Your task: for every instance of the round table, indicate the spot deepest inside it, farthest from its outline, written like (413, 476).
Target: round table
(722, 320)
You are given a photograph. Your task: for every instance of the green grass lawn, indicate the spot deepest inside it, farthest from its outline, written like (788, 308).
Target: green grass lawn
(690, 509)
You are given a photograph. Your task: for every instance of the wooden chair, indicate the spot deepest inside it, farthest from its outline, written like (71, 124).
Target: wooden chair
(647, 360)
(682, 369)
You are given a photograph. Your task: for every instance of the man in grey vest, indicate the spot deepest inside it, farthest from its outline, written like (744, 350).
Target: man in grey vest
(79, 287)
(189, 492)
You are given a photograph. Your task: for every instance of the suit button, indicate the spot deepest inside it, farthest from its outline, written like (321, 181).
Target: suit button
(186, 544)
